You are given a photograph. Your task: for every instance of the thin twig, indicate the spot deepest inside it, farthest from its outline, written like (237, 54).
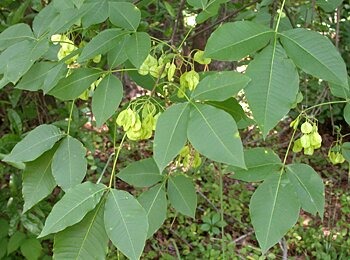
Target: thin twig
(289, 16)
(172, 39)
(242, 237)
(284, 248)
(224, 18)
(273, 14)
(179, 236)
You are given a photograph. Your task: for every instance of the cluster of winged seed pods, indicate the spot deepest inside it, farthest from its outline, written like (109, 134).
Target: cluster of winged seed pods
(157, 68)
(135, 128)
(188, 159)
(90, 91)
(67, 47)
(310, 139)
(335, 157)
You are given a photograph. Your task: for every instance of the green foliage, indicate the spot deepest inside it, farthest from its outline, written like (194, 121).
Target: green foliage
(76, 49)
(182, 195)
(126, 223)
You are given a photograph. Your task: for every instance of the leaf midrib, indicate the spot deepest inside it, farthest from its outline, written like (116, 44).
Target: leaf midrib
(305, 50)
(239, 42)
(183, 198)
(79, 204)
(39, 182)
(32, 147)
(304, 187)
(88, 231)
(172, 134)
(198, 95)
(105, 43)
(209, 125)
(125, 226)
(273, 208)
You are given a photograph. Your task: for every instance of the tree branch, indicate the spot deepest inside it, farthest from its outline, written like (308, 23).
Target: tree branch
(225, 18)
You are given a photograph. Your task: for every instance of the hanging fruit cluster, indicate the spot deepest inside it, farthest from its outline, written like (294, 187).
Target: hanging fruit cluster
(188, 158)
(158, 68)
(67, 47)
(138, 127)
(310, 139)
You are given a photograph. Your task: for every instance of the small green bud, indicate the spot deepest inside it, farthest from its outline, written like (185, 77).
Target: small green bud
(294, 124)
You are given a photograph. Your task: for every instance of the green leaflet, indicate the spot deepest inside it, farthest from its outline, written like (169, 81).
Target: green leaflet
(38, 141)
(34, 79)
(124, 15)
(54, 76)
(210, 10)
(308, 186)
(73, 206)
(340, 90)
(234, 41)
(117, 55)
(4, 228)
(139, 45)
(86, 240)
(38, 181)
(15, 241)
(261, 163)
(171, 134)
(16, 60)
(347, 113)
(214, 133)
(198, 3)
(65, 20)
(75, 84)
(274, 209)
(274, 86)
(232, 107)
(106, 98)
(3, 246)
(14, 34)
(126, 223)
(143, 173)
(321, 60)
(62, 5)
(155, 203)
(329, 5)
(182, 195)
(345, 150)
(220, 86)
(43, 19)
(69, 164)
(101, 43)
(78, 3)
(97, 12)
(31, 249)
